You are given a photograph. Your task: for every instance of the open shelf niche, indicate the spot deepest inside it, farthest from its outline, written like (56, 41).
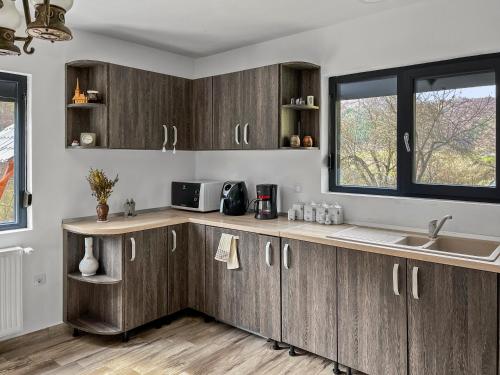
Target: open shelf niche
(94, 303)
(300, 80)
(88, 117)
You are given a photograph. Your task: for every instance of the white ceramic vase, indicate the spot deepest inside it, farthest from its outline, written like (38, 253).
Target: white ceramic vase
(89, 264)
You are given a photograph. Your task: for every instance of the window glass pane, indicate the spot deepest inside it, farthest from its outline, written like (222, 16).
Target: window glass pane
(8, 95)
(367, 133)
(455, 130)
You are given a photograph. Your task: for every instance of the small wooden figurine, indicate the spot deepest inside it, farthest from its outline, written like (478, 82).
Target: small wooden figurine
(79, 97)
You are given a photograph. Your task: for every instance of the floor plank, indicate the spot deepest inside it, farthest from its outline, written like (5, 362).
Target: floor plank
(188, 346)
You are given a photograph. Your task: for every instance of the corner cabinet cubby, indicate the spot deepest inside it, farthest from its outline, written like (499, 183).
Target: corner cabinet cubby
(87, 117)
(142, 277)
(143, 110)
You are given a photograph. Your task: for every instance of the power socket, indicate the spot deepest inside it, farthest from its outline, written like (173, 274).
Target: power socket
(40, 279)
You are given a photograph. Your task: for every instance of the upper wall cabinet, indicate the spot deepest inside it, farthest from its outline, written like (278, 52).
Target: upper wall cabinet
(246, 109)
(300, 81)
(87, 117)
(138, 109)
(202, 114)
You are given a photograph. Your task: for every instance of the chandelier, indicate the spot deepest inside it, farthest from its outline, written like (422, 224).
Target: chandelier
(49, 24)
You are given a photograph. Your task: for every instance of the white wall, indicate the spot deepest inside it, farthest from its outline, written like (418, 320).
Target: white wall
(58, 180)
(430, 31)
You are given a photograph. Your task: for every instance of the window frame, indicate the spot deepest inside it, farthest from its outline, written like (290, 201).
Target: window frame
(20, 159)
(406, 77)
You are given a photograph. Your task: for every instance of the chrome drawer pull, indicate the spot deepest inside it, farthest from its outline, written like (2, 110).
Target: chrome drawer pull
(132, 241)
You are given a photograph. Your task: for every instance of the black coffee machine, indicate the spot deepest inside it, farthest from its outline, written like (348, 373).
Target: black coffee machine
(266, 207)
(234, 198)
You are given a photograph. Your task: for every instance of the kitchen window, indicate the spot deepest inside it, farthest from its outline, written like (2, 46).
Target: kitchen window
(13, 196)
(422, 131)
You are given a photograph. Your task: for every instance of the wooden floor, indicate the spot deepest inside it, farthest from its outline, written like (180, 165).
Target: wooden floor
(188, 346)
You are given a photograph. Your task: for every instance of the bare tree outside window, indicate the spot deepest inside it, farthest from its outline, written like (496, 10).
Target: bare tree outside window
(454, 135)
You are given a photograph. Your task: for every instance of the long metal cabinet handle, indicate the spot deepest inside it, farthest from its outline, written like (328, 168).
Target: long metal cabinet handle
(414, 286)
(165, 138)
(407, 142)
(132, 241)
(174, 239)
(237, 134)
(175, 135)
(268, 254)
(395, 279)
(285, 256)
(245, 133)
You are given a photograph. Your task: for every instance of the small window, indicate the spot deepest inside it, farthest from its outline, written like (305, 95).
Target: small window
(12, 151)
(367, 133)
(455, 130)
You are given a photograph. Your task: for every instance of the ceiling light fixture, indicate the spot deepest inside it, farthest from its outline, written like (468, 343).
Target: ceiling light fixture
(49, 24)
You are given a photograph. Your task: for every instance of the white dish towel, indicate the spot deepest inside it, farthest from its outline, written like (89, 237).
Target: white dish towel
(227, 251)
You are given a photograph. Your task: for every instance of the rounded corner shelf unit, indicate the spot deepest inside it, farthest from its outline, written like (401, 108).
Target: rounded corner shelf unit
(96, 279)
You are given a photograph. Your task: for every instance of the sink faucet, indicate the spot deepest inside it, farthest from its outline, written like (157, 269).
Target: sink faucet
(435, 226)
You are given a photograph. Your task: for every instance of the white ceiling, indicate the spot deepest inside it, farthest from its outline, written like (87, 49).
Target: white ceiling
(205, 27)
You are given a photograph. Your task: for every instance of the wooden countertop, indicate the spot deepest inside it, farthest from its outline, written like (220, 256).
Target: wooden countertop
(158, 219)
(280, 227)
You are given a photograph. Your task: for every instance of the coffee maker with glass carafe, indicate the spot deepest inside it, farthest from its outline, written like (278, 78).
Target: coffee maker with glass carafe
(266, 203)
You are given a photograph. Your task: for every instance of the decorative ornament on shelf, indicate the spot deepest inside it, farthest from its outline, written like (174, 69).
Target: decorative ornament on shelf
(75, 143)
(307, 141)
(49, 24)
(88, 139)
(89, 264)
(101, 187)
(79, 97)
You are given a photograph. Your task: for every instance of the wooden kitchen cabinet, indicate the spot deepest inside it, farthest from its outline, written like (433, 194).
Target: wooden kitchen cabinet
(202, 110)
(134, 107)
(246, 109)
(249, 297)
(196, 267)
(227, 126)
(178, 258)
(178, 117)
(371, 315)
(260, 108)
(453, 325)
(145, 276)
(309, 297)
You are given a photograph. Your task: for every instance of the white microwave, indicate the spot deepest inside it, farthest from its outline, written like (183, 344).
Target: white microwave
(200, 195)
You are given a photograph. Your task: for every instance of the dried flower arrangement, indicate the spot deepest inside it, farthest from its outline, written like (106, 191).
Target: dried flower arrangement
(101, 185)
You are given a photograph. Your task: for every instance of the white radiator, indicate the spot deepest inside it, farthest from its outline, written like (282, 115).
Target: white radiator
(11, 290)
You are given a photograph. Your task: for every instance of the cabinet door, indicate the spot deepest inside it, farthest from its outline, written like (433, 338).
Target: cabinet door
(249, 297)
(133, 107)
(156, 111)
(452, 326)
(145, 276)
(178, 268)
(202, 110)
(371, 314)
(178, 118)
(260, 107)
(227, 124)
(309, 305)
(196, 268)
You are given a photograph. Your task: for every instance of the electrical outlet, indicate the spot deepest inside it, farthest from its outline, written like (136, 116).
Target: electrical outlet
(40, 279)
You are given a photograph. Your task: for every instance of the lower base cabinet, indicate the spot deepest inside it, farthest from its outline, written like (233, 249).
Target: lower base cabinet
(178, 261)
(372, 312)
(452, 320)
(249, 297)
(145, 276)
(309, 297)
